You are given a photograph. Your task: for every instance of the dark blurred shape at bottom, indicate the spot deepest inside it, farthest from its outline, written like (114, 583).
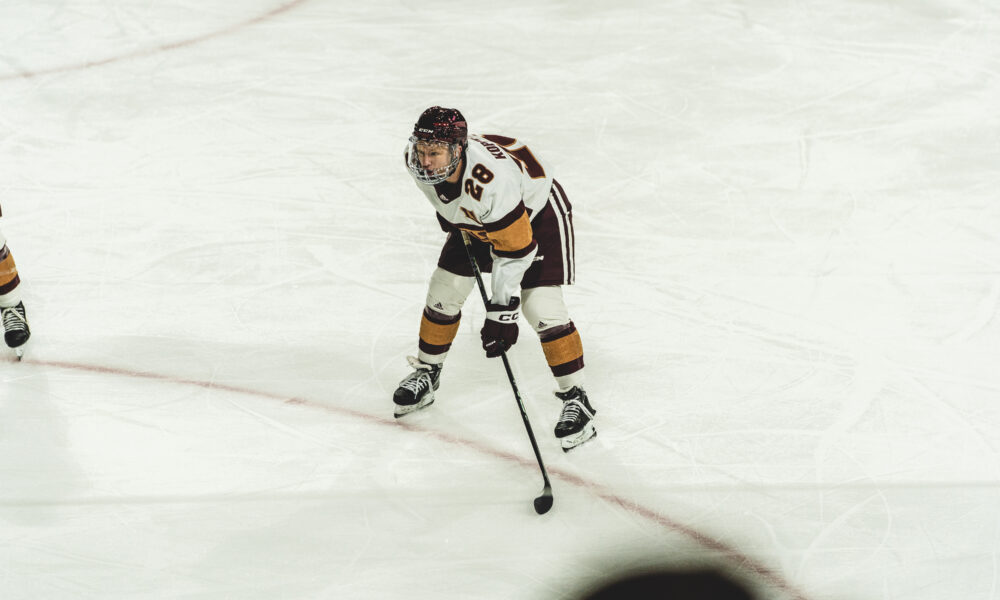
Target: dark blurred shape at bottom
(698, 584)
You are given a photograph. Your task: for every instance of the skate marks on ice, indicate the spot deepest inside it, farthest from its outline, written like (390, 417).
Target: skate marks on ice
(563, 478)
(30, 73)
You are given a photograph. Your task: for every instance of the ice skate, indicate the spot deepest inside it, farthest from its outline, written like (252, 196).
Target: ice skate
(416, 391)
(15, 327)
(576, 423)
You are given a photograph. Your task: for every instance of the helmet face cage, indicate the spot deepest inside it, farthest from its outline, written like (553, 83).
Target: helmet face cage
(438, 125)
(432, 176)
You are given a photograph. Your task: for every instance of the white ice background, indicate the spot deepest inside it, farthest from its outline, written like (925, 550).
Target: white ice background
(788, 286)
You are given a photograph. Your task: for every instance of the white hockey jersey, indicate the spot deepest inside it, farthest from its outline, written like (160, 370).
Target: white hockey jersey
(502, 186)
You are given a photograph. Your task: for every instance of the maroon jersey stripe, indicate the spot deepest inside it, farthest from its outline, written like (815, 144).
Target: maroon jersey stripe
(508, 220)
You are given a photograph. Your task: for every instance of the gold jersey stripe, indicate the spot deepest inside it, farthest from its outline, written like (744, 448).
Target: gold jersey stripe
(479, 234)
(515, 237)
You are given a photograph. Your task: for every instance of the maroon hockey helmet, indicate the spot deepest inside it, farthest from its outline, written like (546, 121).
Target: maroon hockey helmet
(442, 125)
(437, 125)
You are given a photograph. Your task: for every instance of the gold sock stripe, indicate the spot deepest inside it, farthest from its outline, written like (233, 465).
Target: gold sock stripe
(437, 334)
(8, 270)
(563, 350)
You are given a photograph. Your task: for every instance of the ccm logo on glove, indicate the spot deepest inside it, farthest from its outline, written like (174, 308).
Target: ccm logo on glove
(500, 329)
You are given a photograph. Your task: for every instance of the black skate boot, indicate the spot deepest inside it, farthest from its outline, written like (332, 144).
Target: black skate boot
(576, 423)
(15, 327)
(417, 390)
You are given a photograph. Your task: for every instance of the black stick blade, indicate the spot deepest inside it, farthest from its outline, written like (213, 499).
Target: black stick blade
(544, 502)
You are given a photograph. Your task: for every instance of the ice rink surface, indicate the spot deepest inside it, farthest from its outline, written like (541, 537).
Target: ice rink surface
(788, 285)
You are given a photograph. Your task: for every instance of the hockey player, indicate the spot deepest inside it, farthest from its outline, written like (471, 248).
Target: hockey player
(15, 320)
(497, 191)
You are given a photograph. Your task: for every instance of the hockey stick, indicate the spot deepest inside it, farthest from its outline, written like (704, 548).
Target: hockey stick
(544, 502)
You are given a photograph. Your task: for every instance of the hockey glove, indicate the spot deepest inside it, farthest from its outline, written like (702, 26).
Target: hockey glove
(500, 329)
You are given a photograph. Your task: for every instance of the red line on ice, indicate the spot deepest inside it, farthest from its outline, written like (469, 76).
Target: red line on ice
(165, 47)
(733, 555)
(743, 561)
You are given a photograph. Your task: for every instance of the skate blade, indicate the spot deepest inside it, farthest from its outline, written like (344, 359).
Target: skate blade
(402, 411)
(585, 435)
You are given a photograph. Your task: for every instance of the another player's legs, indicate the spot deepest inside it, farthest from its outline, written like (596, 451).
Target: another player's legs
(545, 310)
(12, 313)
(438, 326)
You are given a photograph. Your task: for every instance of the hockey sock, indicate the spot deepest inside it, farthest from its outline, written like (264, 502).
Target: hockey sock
(563, 349)
(437, 332)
